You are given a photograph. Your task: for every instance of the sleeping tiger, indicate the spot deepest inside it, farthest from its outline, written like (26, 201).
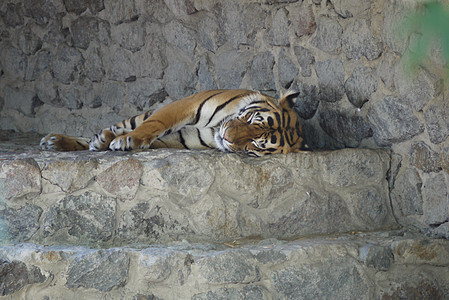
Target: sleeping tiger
(240, 121)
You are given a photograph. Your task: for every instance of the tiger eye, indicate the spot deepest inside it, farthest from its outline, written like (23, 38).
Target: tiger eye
(270, 121)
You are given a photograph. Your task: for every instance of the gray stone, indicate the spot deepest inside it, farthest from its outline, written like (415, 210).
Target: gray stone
(331, 76)
(93, 66)
(88, 218)
(209, 33)
(393, 121)
(180, 36)
(416, 91)
(435, 199)
(336, 280)
(14, 275)
(371, 205)
(406, 195)
(181, 8)
(278, 34)
(70, 175)
(240, 21)
(28, 41)
(395, 11)
(250, 292)
(130, 36)
(230, 67)
(349, 130)
(146, 92)
(42, 11)
(121, 11)
(22, 223)
(102, 270)
(424, 158)
(286, 69)
(46, 91)
(238, 266)
(262, 76)
(2, 103)
(304, 22)
(437, 122)
(65, 63)
(149, 223)
(360, 85)
(180, 76)
(351, 8)
(18, 178)
(113, 95)
(14, 62)
(112, 179)
(70, 97)
(85, 29)
(385, 66)
(305, 59)
(308, 102)
(205, 76)
(22, 100)
(151, 60)
(423, 289)
(375, 256)
(80, 6)
(13, 16)
(122, 65)
(328, 35)
(358, 41)
(37, 65)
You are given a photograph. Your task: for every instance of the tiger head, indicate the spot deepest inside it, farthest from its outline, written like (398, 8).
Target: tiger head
(262, 126)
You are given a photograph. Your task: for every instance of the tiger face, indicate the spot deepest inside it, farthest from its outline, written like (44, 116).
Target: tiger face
(262, 126)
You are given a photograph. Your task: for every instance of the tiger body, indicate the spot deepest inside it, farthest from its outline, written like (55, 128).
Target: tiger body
(240, 121)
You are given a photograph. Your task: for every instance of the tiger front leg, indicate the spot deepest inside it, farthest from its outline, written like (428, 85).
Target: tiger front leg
(139, 138)
(103, 139)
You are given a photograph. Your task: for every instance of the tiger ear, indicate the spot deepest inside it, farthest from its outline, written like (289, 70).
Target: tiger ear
(289, 100)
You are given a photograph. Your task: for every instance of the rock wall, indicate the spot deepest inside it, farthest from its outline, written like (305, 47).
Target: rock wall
(76, 66)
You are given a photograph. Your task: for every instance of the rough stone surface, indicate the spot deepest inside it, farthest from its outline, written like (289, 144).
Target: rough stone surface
(328, 36)
(360, 85)
(424, 158)
(351, 8)
(101, 270)
(22, 223)
(330, 80)
(393, 121)
(16, 274)
(305, 59)
(19, 178)
(308, 101)
(437, 125)
(262, 77)
(375, 256)
(286, 69)
(358, 41)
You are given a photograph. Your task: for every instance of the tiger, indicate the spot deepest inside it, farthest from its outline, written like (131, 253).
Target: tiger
(237, 121)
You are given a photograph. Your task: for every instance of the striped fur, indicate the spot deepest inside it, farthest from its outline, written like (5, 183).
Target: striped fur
(230, 120)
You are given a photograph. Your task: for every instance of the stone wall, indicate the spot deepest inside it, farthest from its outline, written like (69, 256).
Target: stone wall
(76, 66)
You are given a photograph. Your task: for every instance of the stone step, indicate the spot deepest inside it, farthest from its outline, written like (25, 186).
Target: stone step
(362, 266)
(114, 199)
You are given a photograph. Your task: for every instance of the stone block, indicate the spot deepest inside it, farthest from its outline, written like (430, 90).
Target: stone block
(328, 35)
(387, 63)
(86, 29)
(304, 22)
(346, 129)
(121, 179)
(378, 257)
(424, 158)
(146, 92)
(437, 123)
(415, 251)
(351, 8)
(435, 199)
(180, 36)
(20, 224)
(305, 60)
(237, 266)
(393, 121)
(94, 66)
(406, 195)
(358, 41)
(13, 15)
(87, 219)
(360, 85)
(278, 34)
(79, 6)
(37, 65)
(121, 11)
(205, 76)
(42, 11)
(180, 76)
(322, 280)
(18, 178)
(250, 292)
(22, 100)
(230, 67)
(308, 102)
(29, 43)
(66, 63)
(15, 275)
(14, 62)
(181, 8)
(262, 76)
(286, 69)
(416, 91)
(70, 175)
(331, 77)
(130, 36)
(102, 270)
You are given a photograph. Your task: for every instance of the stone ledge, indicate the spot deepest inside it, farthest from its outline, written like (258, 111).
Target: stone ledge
(363, 266)
(157, 196)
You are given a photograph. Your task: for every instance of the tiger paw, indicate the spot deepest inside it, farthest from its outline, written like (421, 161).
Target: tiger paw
(126, 143)
(61, 142)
